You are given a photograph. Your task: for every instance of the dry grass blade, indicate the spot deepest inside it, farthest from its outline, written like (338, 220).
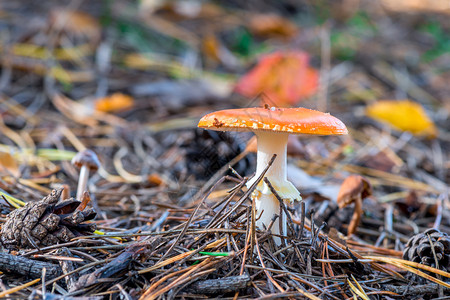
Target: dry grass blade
(383, 292)
(14, 136)
(392, 179)
(341, 248)
(422, 274)
(18, 288)
(306, 294)
(265, 271)
(342, 261)
(357, 289)
(154, 295)
(168, 276)
(15, 107)
(180, 257)
(58, 257)
(405, 265)
(166, 262)
(33, 185)
(391, 260)
(11, 200)
(216, 243)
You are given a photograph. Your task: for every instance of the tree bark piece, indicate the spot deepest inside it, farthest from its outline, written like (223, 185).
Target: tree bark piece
(68, 266)
(220, 286)
(28, 267)
(423, 289)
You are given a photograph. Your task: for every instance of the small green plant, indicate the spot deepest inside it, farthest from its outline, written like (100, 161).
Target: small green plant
(442, 42)
(346, 41)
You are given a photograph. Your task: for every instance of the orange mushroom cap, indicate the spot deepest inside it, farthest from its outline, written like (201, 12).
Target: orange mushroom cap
(289, 120)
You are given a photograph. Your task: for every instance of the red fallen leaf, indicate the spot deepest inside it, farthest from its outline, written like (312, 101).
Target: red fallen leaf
(284, 77)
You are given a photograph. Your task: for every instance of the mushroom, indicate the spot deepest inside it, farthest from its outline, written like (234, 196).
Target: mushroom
(86, 161)
(272, 127)
(353, 190)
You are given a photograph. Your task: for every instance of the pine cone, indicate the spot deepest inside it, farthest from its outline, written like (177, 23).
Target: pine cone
(418, 249)
(46, 222)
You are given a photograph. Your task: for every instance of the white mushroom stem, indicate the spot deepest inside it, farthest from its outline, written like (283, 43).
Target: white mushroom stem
(270, 143)
(82, 181)
(267, 206)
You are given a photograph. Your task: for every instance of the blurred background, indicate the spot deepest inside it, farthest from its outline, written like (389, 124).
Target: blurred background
(130, 79)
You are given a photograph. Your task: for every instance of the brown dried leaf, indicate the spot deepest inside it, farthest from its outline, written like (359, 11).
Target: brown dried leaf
(180, 10)
(410, 204)
(155, 179)
(380, 161)
(75, 22)
(85, 199)
(272, 25)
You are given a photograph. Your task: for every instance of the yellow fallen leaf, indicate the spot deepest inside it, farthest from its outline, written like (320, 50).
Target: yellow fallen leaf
(75, 53)
(67, 76)
(8, 164)
(403, 115)
(57, 71)
(114, 102)
(211, 47)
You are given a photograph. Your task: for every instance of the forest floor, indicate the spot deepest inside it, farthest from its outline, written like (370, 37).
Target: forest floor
(165, 217)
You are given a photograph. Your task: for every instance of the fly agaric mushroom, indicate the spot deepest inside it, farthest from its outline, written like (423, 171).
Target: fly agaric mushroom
(272, 127)
(353, 190)
(86, 161)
